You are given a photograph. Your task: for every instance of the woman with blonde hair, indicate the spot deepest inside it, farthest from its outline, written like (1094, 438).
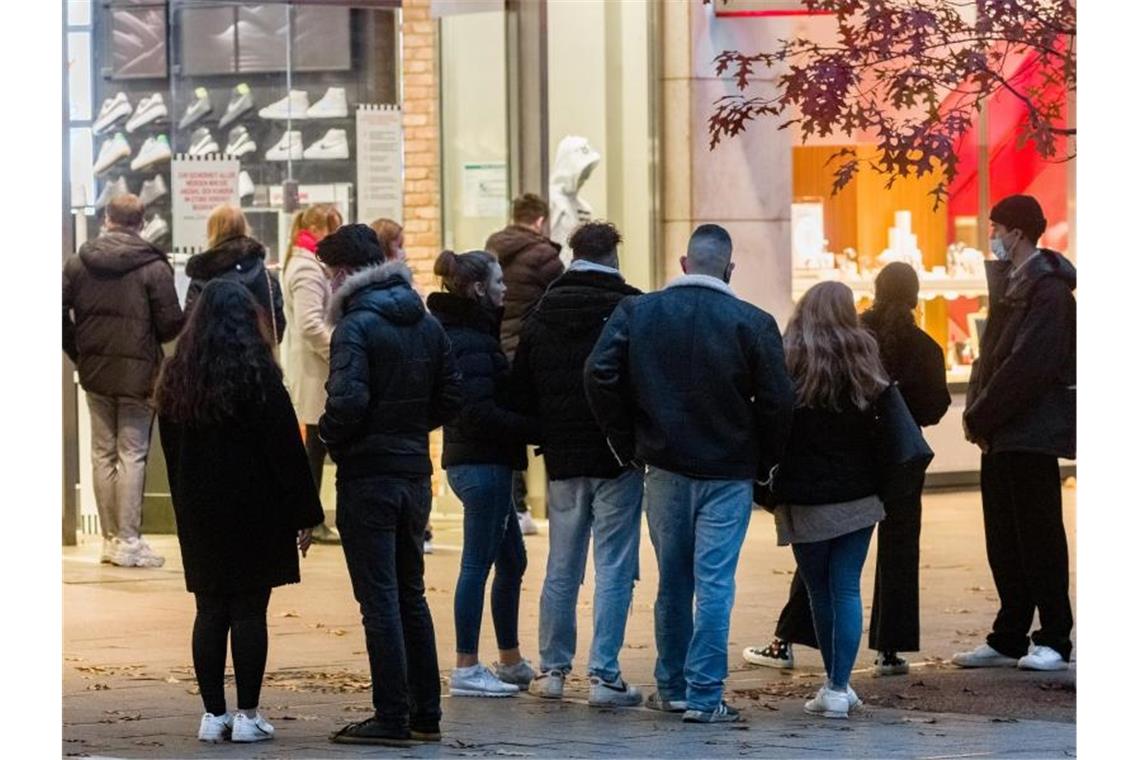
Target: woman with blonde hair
(826, 488)
(233, 255)
(391, 236)
(306, 346)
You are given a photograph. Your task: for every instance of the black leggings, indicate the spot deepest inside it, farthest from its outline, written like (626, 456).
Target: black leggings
(242, 617)
(315, 450)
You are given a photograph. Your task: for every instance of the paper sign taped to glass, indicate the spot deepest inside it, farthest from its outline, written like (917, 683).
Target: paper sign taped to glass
(485, 189)
(198, 186)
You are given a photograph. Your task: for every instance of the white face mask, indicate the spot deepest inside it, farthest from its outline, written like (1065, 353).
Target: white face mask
(999, 249)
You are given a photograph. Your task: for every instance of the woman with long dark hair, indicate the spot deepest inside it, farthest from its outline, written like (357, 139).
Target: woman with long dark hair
(243, 497)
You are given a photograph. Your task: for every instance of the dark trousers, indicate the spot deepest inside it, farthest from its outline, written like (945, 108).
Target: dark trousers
(894, 611)
(241, 618)
(381, 522)
(316, 451)
(1027, 550)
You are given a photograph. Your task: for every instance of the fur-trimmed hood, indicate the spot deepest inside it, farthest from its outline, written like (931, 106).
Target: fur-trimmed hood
(385, 289)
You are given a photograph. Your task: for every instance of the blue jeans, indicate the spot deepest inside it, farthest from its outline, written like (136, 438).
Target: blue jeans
(831, 570)
(697, 528)
(491, 536)
(612, 509)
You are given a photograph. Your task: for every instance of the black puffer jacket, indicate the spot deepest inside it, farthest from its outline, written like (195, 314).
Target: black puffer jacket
(392, 378)
(119, 307)
(557, 338)
(1023, 388)
(830, 458)
(242, 260)
(486, 430)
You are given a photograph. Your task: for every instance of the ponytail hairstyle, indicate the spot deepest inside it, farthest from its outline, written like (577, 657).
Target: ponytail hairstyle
(226, 221)
(892, 315)
(319, 216)
(460, 272)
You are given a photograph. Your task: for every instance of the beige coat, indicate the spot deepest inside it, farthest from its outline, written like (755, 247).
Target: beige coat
(307, 334)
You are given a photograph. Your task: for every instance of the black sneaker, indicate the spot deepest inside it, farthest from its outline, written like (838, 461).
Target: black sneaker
(428, 731)
(722, 714)
(372, 731)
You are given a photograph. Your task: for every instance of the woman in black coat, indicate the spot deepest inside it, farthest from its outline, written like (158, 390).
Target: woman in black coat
(914, 360)
(243, 497)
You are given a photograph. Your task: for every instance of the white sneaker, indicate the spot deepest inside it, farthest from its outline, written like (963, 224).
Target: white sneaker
(293, 106)
(255, 729)
(202, 143)
(520, 674)
(549, 684)
(240, 142)
(527, 524)
(148, 110)
(778, 654)
(289, 147)
(613, 693)
(1042, 658)
(112, 190)
(334, 105)
(245, 184)
(154, 229)
(152, 190)
(478, 681)
(138, 549)
(428, 548)
(828, 703)
(984, 656)
(197, 109)
(123, 553)
(154, 150)
(241, 100)
(853, 701)
(333, 145)
(110, 546)
(112, 110)
(215, 728)
(111, 152)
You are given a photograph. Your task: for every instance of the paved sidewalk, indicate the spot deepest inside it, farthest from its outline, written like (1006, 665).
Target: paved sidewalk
(129, 690)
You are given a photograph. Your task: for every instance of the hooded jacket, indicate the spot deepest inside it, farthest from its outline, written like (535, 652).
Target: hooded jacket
(241, 260)
(1023, 388)
(574, 161)
(485, 431)
(119, 307)
(530, 263)
(392, 379)
(548, 371)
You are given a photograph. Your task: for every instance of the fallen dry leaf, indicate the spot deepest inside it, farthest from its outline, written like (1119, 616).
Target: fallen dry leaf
(98, 687)
(288, 614)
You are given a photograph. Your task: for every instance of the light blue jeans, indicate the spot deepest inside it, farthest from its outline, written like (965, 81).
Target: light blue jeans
(697, 528)
(611, 508)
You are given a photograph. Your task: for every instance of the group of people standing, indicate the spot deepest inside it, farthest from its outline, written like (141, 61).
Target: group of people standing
(684, 403)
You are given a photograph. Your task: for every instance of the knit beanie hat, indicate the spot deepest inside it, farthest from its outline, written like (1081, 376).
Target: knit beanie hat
(897, 283)
(352, 246)
(1020, 212)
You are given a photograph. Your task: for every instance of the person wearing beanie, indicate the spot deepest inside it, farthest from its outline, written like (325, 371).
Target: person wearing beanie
(914, 360)
(1021, 411)
(393, 380)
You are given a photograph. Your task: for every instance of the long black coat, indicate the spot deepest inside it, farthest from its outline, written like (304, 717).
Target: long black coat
(241, 491)
(556, 340)
(487, 430)
(242, 260)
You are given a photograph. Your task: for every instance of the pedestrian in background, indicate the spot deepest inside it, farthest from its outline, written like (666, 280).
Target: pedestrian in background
(119, 307)
(391, 236)
(243, 499)
(482, 448)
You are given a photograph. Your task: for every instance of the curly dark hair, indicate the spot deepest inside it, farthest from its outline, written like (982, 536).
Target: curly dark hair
(223, 359)
(594, 241)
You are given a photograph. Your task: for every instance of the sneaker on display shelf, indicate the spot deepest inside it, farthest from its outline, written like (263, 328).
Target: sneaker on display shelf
(241, 100)
(202, 142)
(334, 105)
(240, 142)
(111, 152)
(112, 110)
(154, 229)
(154, 150)
(333, 145)
(289, 147)
(245, 184)
(112, 190)
(198, 108)
(152, 190)
(255, 729)
(149, 110)
(292, 106)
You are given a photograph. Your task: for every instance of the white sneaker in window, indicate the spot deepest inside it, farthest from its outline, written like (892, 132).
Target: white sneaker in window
(288, 147)
(828, 703)
(478, 681)
(984, 656)
(1042, 658)
(527, 524)
(152, 190)
(111, 152)
(148, 110)
(245, 184)
(333, 145)
(549, 684)
(153, 231)
(154, 150)
(240, 142)
(215, 728)
(293, 106)
(241, 100)
(113, 109)
(334, 105)
(198, 108)
(255, 729)
(202, 142)
(613, 693)
(112, 190)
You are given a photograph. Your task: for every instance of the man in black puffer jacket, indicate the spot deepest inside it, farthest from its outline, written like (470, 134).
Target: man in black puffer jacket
(589, 489)
(392, 380)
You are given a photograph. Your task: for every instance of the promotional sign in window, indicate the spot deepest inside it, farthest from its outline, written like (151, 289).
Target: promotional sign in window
(379, 163)
(199, 185)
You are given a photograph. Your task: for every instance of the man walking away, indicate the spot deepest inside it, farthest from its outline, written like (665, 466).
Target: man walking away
(691, 381)
(1021, 410)
(589, 490)
(119, 307)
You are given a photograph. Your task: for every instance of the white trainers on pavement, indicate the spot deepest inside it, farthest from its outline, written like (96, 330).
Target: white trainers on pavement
(829, 704)
(549, 684)
(613, 693)
(984, 656)
(478, 681)
(1042, 658)
(527, 524)
(215, 728)
(255, 729)
(778, 654)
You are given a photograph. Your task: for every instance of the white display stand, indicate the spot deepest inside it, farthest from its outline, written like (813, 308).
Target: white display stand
(379, 163)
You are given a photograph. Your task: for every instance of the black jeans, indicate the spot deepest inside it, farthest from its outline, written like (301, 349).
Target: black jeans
(316, 451)
(894, 611)
(381, 522)
(1027, 550)
(241, 617)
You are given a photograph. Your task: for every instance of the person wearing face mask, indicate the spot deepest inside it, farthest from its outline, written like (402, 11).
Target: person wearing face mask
(1021, 412)
(482, 448)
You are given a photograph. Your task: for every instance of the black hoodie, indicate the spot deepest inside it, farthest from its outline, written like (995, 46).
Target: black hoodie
(119, 307)
(240, 260)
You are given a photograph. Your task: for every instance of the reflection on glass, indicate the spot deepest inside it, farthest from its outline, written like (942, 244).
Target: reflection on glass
(82, 177)
(79, 75)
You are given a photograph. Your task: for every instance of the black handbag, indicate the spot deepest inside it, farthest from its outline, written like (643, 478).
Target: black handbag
(901, 453)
